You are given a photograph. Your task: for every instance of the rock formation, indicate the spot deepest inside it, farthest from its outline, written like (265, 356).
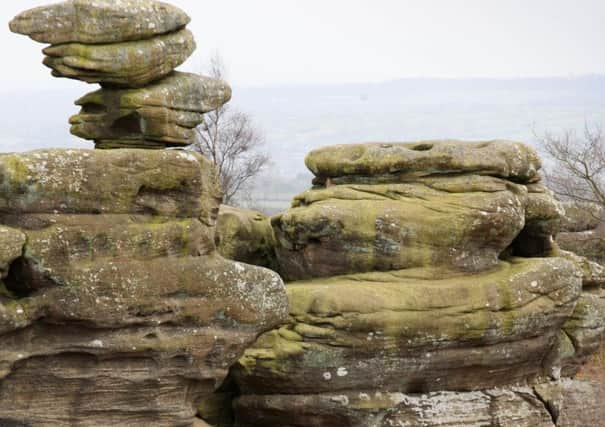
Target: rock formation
(114, 299)
(115, 307)
(425, 288)
(583, 231)
(130, 47)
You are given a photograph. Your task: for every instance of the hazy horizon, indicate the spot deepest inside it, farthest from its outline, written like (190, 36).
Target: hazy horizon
(284, 42)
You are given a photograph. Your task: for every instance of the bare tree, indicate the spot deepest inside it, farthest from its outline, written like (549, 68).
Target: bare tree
(232, 141)
(577, 171)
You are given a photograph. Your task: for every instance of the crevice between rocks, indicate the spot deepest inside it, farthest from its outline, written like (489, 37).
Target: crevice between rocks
(549, 406)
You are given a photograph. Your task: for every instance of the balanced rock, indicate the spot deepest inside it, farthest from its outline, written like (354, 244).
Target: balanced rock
(163, 114)
(99, 21)
(118, 310)
(129, 64)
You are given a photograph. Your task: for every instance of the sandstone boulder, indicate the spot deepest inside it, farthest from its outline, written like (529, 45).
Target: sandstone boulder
(463, 223)
(556, 404)
(128, 64)
(161, 115)
(99, 21)
(247, 236)
(589, 244)
(395, 162)
(118, 309)
(116, 182)
(574, 403)
(581, 216)
(415, 331)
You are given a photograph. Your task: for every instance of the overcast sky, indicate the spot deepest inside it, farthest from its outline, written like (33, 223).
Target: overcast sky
(266, 42)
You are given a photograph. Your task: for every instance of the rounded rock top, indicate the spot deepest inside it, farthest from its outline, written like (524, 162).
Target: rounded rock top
(99, 21)
(408, 160)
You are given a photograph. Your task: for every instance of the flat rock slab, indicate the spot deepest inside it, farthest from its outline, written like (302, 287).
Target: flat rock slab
(128, 64)
(555, 404)
(164, 114)
(169, 183)
(415, 331)
(464, 223)
(99, 21)
(392, 162)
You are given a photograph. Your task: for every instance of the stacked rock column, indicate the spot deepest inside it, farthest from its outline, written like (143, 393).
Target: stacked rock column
(115, 307)
(130, 47)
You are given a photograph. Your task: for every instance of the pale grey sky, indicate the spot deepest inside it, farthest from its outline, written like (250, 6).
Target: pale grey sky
(267, 42)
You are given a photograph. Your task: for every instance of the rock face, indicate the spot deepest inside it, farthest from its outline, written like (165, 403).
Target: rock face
(99, 21)
(116, 308)
(246, 236)
(130, 47)
(583, 231)
(425, 289)
(162, 114)
(565, 403)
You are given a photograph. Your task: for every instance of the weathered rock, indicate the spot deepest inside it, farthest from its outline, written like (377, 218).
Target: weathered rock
(589, 244)
(463, 223)
(584, 330)
(123, 316)
(161, 115)
(247, 236)
(555, 404)
(164, 183)
(574, 403)
(415, 331)
(542, 221)
(581, 216)
(513, 407)
(396, 162)
(99, 21)
(11, 247)
(128, 64)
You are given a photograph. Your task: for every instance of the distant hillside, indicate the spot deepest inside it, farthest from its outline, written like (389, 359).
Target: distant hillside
(297, 119)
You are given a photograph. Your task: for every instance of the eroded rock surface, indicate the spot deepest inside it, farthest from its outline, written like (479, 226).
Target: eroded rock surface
(130, 47)
(119, 309)
(410, 331)
(426, 267)
(247, 236)
(161, 115)
(394, 162)
(554, 404)
(128, 64)
(99, 21)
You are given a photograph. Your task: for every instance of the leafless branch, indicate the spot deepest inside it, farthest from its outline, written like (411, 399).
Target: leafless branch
(232, 141)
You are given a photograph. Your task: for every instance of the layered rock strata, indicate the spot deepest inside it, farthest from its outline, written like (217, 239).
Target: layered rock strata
(425, 288)
(131, 48)
(115, 308)
(164, 113)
